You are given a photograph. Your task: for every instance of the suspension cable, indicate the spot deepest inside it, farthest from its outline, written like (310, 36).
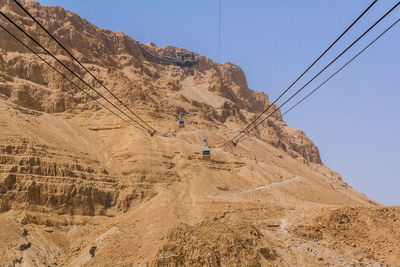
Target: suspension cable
(219, 31)
(65, 77)
(344, 66)
(337, 57)
(284, 92)
(59, 61)
(94, 77)
(334, 74)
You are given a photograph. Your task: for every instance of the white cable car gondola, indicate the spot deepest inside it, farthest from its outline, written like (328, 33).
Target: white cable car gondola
(206, 152)
(181, 121)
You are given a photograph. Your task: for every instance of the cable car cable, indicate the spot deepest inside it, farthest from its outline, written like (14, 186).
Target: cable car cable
(337, 57)
(334, 74)
(65, 77)
(219, 31)
(69, 53)
(48, 52)
(345, 65)
(284, 92)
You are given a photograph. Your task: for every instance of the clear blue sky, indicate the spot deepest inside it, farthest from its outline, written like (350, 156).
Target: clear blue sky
(354, 119)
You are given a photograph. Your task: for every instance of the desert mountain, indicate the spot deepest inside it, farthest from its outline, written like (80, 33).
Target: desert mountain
(80, 187)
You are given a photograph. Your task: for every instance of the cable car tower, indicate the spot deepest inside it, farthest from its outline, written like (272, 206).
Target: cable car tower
(206, 152)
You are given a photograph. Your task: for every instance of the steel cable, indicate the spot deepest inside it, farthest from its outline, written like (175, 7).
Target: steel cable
(65, 77)
(51, 54)
(337, 57)
(284, 92)
(73, 57)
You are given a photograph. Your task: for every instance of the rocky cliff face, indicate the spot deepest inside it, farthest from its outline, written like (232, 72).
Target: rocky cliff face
(77, 184)
(217, 92)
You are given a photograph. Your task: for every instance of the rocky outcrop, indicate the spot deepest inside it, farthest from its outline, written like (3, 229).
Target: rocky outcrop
(92, 44)
(292, 140)
(361, 228)
(40, 178)
(226, 245)
(118, 60)
(215, 92)
(106, 49)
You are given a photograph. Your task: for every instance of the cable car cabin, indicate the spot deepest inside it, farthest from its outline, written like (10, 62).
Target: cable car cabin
(206, 152)
(181, 123)
(186, 59)
(181, 59)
